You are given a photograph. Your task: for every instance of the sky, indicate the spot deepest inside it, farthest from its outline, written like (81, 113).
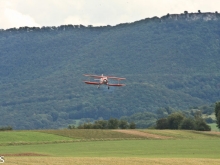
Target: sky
(38, 13)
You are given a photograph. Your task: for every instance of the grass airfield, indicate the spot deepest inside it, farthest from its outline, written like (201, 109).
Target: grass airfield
(105, 147)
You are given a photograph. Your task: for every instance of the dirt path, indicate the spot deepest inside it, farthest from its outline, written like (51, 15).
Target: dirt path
(142, 134)
(212, 132)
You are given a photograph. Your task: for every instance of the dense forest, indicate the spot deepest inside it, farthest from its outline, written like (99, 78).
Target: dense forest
(171, 62)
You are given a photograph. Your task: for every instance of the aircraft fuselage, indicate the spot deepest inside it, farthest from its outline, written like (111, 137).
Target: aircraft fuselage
(104, 80)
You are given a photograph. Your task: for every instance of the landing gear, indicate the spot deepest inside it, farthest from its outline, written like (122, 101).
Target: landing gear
(108, 87)
(98, 86)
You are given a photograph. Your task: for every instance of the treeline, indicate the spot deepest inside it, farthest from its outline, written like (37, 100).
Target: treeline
(106, 124)
(148, 119)
(178, 121)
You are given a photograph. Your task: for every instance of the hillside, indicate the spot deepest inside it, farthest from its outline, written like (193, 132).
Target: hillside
(169, 61)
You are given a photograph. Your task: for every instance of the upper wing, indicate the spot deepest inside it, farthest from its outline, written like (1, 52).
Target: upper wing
(117, 85)
(117, 78)
(95, 76)
(92, 83)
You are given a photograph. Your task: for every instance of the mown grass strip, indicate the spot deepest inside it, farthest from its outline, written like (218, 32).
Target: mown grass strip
(91, 133)
(183, 134)
(69, 141)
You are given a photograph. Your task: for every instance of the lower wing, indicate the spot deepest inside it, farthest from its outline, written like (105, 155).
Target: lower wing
(92, 83)
(116, 85)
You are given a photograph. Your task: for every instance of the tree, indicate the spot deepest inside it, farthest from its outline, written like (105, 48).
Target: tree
(188, 124)
(218, 120)
(162, 124)
(200, 123)
(100, 124)
(202, 126)
(71, 127)
(113, 123)
(132, 125)
(198, 114)
(123, 124)
(179, 121)
(217, 113)
(209, 120)
(174, 120)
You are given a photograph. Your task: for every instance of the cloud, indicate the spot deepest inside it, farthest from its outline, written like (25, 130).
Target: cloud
(16, 19)
(14, 13)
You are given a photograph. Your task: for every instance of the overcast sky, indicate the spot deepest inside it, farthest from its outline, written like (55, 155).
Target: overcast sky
(18, 13)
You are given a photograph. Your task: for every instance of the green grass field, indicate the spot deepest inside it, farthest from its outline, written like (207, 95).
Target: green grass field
(104, 146)
(124, 148)
(214, 127)
(29, 137)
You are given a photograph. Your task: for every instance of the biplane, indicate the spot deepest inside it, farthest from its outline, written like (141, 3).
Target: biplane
(103, 80)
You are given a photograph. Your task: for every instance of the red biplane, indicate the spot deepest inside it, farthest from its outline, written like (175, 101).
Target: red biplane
(103, 80)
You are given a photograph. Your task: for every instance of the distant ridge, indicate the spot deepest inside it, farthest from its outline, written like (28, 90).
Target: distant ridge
(206, 16)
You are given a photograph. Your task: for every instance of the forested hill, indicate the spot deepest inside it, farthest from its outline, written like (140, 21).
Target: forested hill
(172, 61)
